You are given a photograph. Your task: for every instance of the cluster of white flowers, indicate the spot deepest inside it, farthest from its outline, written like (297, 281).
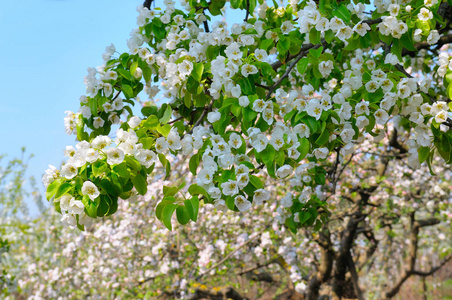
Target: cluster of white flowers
(86, 153)
(445, 62)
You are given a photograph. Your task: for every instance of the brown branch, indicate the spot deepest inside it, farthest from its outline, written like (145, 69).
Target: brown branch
(412, 251)
(446, 39)
(432, 270)
(304, 48)
(203, 115)
(147, 4)
(230, 254)
(247, 10)
(326, 266)
(259, 266)
(290, 68)
(354, 276)
(373, 21)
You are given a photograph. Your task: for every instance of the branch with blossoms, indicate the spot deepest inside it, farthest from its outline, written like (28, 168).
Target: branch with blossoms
(273, 97)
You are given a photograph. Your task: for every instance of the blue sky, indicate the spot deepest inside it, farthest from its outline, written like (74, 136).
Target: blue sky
(45, 49)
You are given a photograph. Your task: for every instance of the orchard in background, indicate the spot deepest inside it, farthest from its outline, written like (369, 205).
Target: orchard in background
(325, 100)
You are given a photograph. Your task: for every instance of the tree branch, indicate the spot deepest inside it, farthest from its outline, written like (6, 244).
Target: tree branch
(230, 254)
(412, 251)
(147, 4)
(432, 270)
(354, 275)
(325, 267)
(247, 10)
(291, 66)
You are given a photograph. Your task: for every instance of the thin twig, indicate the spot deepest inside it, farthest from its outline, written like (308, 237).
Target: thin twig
(231, 253)
(247, 10)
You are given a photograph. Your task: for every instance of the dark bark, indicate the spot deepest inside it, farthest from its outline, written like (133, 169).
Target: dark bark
(324, 270)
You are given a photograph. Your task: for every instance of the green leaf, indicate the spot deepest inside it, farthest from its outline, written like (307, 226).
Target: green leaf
(236, 3)
(314, 36)
(133, 68)
(256, 182)
(407, 41)
(302, 65)
(246, 86)
(423, 152)
(90, 207)
(99, 167)
(93, 106)
(164, 130)
(132, 163)
(170, 190)
(192, 85)
(264, 44)
(139, 181)
(126, 74)
(193, 163)
(53, 187)
(212, 52)
(353, 44)
(182, 215)
(127, 90)
(283, 45)
(167, 213)
(162, 204)
(63, 189)
(343, 13)
(195, 189)
(268, 155)
(104, 206)
(303, 148)
(197, 71)
(449, 90)
(122, 170)
(323, 138)
(151, 122)
(329, 36)
(166, 115)
(192, 206)
(165, 163)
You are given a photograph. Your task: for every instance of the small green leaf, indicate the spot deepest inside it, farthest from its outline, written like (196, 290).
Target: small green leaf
(63, 189)
(303, 148)
(256, 182)
(323, 138)
(53, 187)
(192, 206)
(127, 90)
(132, 163)
(90, 207)
(122, 170)
(193, 163)
(195, 189)
(264, 44)
(162, 204)
(133, 68)
(283, 45)
(302, 65)
(167, 213)
(423, 152)
(140, 184)
(166, 115)
(182, 215)
(268, 155)
(99, 167)
(197, 71)
(343, 13)
(314, 36)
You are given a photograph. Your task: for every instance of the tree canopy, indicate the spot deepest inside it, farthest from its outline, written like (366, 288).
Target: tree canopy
(340, 105)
